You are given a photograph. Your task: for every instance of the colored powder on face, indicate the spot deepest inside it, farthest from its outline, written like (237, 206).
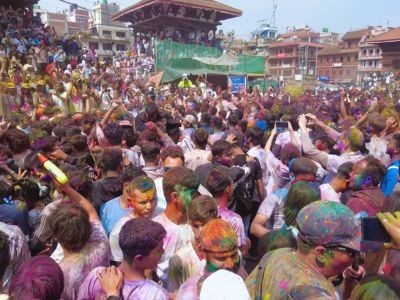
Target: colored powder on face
(185, 194)
(283, 285)
(210, 267)
(340, 146)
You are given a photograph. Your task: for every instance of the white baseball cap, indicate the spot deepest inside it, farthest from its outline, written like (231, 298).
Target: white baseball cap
(222, 285)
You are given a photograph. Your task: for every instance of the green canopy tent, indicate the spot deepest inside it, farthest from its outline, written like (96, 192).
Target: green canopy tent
(218, 77)
(190, 57)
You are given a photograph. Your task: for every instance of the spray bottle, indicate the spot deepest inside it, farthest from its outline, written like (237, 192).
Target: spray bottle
(53, 169)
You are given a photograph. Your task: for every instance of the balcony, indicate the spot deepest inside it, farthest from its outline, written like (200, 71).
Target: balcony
(283, 55)
(369, 56)
(286, 66)
(369, 68)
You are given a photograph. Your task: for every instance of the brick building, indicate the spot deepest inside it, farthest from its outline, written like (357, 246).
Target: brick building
(389, 42)
(369, 56)
(340, 63)
(294, 55)
(289, 59)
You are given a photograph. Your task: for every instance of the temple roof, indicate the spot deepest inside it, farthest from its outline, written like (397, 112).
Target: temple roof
(224, 11)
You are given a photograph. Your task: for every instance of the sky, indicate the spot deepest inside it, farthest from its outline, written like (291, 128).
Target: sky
(337, 15)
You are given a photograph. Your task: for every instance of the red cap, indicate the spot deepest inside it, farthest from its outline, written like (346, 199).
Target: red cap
(42, 159)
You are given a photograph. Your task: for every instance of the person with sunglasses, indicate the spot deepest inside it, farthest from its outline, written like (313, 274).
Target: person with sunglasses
(327, 244)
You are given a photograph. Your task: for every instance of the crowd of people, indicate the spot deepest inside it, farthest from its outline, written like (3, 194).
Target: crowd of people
(188, 190)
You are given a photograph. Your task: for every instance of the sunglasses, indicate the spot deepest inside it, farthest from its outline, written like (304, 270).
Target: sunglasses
(351, 252)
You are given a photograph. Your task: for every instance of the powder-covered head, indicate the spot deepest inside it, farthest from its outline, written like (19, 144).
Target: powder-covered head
(377, 287)
(217, 236)
(289, 151)
(37, 278)
(355, 139)
(328, 223)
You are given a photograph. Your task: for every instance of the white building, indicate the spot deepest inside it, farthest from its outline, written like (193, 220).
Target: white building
(56, 20)
(329, 38)
(369, 56)
(106, 36)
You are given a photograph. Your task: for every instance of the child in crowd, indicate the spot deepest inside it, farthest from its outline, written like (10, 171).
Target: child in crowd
(142, 199)
(141, 242)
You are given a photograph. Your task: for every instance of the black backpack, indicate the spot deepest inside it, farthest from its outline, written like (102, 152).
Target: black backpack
(242, 201)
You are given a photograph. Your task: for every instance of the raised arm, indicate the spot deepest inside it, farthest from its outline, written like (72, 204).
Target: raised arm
(365, 117)
(343, 111)
(109, 113)
(332, 133)
(268, 145)
(308, 148)
(77, 198)
(293, 139)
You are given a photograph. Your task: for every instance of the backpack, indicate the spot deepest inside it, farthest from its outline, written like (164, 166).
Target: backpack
(242, 201)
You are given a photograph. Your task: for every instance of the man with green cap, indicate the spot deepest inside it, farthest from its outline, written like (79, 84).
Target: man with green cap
(218, 244)
(327, 244)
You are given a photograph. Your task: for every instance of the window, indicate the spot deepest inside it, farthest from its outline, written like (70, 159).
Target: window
(320, 60)
(107, 46)
(333, 72)
(341, 59)
(327, 59)
(93, 45)
(106, 33)
(288, 50)
(371, 51)
(348, 59)
(340, 72)
(365, 51)
(120, 47)
(348, 72)
(120, 34)
(378, 51)
(287, 72)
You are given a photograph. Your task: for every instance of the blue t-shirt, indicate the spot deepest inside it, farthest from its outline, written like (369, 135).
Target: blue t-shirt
(15, 213)
(111, 212)
(391, 178)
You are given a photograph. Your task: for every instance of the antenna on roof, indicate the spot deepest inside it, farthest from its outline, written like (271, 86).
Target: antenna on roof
(273, 16)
